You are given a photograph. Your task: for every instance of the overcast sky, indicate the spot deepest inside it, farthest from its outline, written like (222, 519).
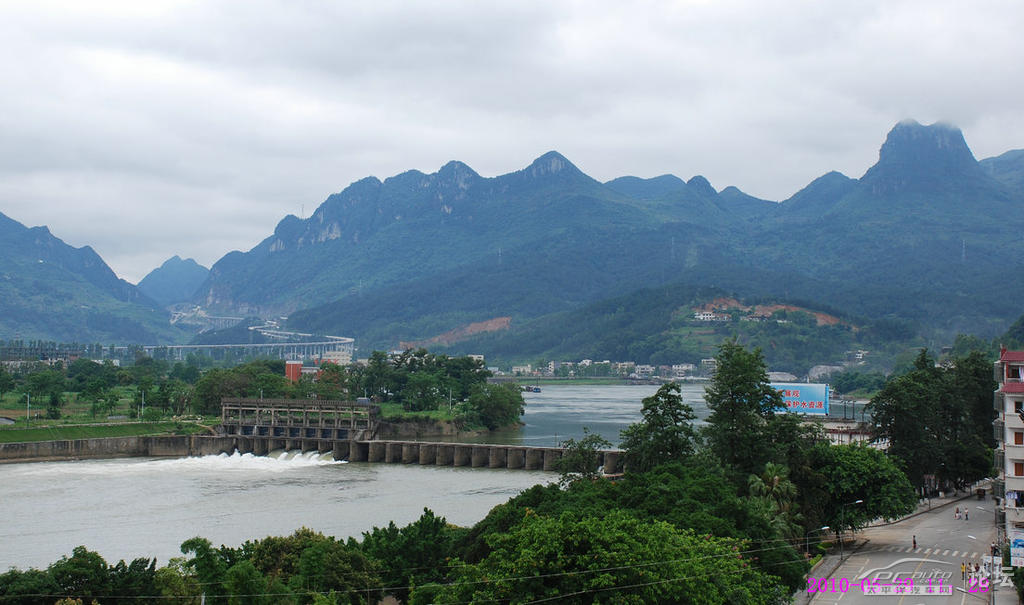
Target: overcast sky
(150, 128)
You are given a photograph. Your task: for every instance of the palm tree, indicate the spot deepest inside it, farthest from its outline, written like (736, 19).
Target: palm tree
(773, 492)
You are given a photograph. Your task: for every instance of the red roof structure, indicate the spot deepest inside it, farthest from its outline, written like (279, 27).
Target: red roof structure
(1012, 387)
(1005, 355)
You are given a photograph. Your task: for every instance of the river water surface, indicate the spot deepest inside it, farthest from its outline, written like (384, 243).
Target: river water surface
(146, 507)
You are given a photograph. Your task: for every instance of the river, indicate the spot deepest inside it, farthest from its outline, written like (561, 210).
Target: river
(146, 507)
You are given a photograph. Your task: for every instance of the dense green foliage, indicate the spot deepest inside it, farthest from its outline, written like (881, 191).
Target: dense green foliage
(581, 459)
(707, 523)
(938, 420)
(614, 558)
(84, 575)
(742, 403)
(664, 434)
(857, 472)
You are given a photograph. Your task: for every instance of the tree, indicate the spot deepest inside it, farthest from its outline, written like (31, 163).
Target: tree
(581, 459)
(24, 587)
(84, 574)
(858, 472)
(665, 433)
(974, 385)
(938, 421)
(412, 555)
(612, 558)
(495, 405)
(329, 566)
(245, 585)
(207, 564)
(741, 402)
(6, 382)
(773, 490)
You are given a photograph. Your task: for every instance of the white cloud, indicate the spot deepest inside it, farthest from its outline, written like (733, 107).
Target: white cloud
(148, 129)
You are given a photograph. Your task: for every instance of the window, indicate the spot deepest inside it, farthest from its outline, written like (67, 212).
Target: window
(1018, 407)
(1018, 438)
(1018, 469)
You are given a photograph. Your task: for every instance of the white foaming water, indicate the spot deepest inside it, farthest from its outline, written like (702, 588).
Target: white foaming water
(249, 462)
(220, 463)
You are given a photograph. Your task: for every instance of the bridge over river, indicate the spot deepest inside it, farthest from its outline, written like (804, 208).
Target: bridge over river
(347, 429)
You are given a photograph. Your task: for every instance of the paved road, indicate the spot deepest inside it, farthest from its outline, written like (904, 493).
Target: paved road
(943, 543)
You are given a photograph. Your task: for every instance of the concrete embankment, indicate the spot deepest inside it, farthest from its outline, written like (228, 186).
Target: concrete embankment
(385, 451)
(116, 447)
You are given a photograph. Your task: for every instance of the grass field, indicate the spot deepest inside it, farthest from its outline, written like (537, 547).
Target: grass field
(55, 433)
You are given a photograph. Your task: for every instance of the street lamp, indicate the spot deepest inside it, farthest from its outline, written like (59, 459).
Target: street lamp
(807, 537)
(842, 511)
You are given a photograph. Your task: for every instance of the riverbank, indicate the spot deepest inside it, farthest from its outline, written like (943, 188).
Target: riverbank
(96, 431)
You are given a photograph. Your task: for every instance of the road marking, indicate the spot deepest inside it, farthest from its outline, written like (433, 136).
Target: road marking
(956, 552)
(946, 553)
(928, 551)
(974, 555)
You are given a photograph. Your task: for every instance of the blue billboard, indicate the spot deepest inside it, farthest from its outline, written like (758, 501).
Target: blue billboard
(803, 398)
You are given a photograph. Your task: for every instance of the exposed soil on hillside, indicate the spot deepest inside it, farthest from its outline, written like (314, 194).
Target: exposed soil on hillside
(462, 333)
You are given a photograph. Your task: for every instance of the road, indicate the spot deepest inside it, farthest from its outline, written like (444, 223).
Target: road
(943, 543)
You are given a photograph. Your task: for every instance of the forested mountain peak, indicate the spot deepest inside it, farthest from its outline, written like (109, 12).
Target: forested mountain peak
(174, 281)
(1007, 168)
(701, 186)
(819, 196)
(49, 289)
(918, 158)
(550, 163)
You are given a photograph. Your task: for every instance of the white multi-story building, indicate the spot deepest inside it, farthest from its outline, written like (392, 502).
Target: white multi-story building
(1009, 434)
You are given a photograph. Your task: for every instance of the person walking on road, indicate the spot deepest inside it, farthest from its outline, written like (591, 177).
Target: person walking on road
(915, 542)
(963, 571)
(956, 513)
(965, 514)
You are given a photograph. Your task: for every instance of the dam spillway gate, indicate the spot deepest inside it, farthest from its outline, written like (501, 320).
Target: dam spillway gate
(306, 419)
(347, 430)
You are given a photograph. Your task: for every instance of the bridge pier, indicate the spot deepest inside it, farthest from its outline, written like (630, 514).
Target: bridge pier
(515, 457)
(377, 451)
(612, 463)
(551, 458)
(393, 453)
(463, 455)
(534, 459)
(358, 452)
(259, 446)
(428, 453)
(410, 453)
(243, 445)
(497, 457)
(445, 455)
(481, 456)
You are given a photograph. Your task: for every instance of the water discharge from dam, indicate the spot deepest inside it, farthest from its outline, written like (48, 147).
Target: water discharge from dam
(145, 507)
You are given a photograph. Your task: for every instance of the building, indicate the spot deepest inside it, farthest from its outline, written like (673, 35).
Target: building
(1009, 454)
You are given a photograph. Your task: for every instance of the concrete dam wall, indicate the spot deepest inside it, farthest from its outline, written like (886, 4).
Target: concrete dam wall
(116, 447)
(393, 452)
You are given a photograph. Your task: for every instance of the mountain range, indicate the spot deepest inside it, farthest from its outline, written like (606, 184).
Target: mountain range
(52, 291)
(928, 235)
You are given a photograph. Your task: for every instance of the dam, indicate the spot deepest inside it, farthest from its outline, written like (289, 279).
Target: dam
(348, 430)
(345, 429)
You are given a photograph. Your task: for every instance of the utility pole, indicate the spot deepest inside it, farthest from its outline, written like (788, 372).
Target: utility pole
(28, 408)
